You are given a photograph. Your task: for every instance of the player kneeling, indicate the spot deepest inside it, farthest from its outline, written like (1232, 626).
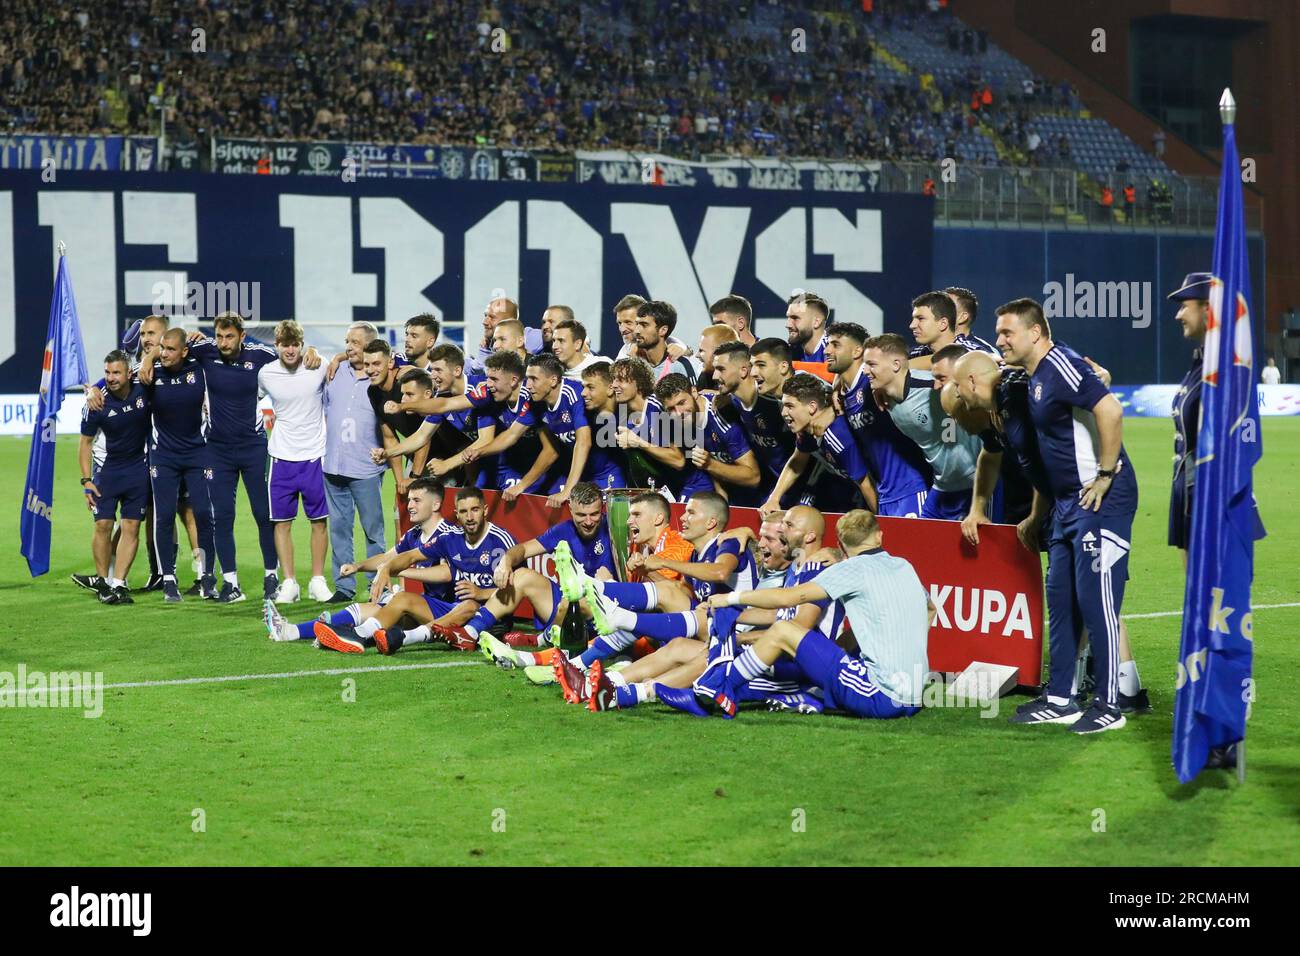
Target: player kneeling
(890, 614)
(373, 624)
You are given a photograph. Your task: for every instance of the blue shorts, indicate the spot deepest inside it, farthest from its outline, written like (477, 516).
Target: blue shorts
(907, 506)
(507, 476)
(947, 505)
(556, 597)
(844, 681)
(439, 607)
(124, 486)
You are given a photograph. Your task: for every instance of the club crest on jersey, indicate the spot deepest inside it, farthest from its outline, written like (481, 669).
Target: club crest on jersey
(566, 417)
(153, 471)
(248, 365)
(599, 548)
(207, 473)
(189, 378)
(139, 402)
(484, 558)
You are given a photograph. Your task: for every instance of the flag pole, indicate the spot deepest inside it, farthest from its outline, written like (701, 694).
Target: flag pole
(1228, 114)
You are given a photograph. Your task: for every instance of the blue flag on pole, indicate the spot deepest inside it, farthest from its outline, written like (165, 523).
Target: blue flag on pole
(1214, 660)
(64, 366)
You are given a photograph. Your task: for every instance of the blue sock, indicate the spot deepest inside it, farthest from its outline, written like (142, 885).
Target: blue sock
(603, 647)
(625, 696)
(307, 630)
(344, 616)
(664, 627)
(483, 620)
(634, 597)
(787, 670)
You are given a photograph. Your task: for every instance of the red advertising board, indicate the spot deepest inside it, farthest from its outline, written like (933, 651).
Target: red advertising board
(989, 599)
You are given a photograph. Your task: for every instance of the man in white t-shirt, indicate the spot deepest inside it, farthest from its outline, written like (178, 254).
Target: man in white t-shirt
(296, 448)
(569, 345)
(1272, 375)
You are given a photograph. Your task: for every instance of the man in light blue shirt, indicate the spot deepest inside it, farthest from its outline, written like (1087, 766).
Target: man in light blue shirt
(353, 482)
(889, 611)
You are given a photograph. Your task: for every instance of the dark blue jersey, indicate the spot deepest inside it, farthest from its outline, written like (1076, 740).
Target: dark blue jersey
(1062, 393)
(562, 416)
(180, 411)
(898, 466)
(1187, 421)
(1013, 429)
(818, 353)
(593, 554)
(125, 424)
(971, 343)
(837, 450)
(465, 420)
(744, 578)
(606, 462)
(523, 454)
(415, 539)
(232, 391)
(765, 428)
(724, 439)
(473, 562)
(832, 617)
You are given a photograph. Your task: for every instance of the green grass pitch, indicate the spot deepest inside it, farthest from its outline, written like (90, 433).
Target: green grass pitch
(466, 764)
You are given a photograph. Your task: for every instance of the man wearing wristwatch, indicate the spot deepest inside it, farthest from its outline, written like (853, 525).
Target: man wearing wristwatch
(1080, 438)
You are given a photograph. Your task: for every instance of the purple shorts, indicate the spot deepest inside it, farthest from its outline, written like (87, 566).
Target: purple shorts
(286, 480)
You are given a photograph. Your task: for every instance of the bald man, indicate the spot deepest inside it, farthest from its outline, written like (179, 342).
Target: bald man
(499, 310)
(710, 339)
(1003, 392)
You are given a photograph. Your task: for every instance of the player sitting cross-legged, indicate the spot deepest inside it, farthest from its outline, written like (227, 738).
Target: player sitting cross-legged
(337, 631)
(888, 609)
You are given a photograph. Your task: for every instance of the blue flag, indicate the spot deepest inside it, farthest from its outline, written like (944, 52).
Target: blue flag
(1214, 660)
(64, 366)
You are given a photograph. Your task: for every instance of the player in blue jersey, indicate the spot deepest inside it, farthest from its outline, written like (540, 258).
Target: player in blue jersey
(463, 554)
(1079, 425)
(720, 458)
(716, 563)
(557, 407)
(119, 486)
(606, 460)
(589, 546)
(796, 556)
(238, 443)
(427, 525)
(967, 305)
(933, 326)
(901, 473)
(178, 450)
(653, 457)
(806, 316)
(888, 609)
(824, 436)
(911, 400)
(758, 412)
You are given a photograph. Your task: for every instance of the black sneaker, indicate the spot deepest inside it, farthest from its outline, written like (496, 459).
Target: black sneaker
(121, 595)
(341, 597)
(91, 582)
(1041, 711)
(230, 593)
(155, 583)
(270, 585)
(1139, 703)
(1097, 719)
(208, 587)
(1222, 758)
(107, 596)
(194, 590)
(171, 592)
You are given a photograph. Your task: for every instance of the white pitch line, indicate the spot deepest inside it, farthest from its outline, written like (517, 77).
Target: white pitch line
(1257, 607)
(228, 678)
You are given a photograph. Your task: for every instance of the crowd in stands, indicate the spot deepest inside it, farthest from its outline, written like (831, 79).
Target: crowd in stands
(684, 77)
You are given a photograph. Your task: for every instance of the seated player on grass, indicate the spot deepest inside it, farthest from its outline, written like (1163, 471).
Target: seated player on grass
(423, 500)
(715, 564)
(888, 609)
(465, 555)
(586, 536)
(798, 539)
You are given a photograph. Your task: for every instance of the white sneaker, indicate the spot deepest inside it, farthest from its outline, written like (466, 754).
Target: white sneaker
(277, 628)
(288, 593)
(318, 590)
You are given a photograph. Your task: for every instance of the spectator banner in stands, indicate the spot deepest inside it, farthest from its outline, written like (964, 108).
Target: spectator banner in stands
(106, 153)
(1157, 401)
(989, 601)
(370, 160)
(622, 168)
(333, 252)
